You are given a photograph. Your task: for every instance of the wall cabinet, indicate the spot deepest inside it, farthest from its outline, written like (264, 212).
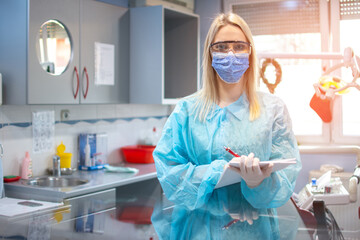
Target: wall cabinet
(87, 21)
(164, 55)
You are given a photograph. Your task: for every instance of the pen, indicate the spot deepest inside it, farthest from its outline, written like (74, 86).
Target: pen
(230, 223)
(231, 152)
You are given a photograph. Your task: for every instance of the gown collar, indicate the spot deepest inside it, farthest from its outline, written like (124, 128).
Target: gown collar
(239, 108)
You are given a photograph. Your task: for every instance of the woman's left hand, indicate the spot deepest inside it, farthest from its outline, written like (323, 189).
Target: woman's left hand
(250, 170)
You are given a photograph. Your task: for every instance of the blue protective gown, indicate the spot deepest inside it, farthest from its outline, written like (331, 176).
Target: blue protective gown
(190, 155)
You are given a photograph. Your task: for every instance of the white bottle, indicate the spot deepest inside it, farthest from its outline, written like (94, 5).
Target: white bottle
(155, 136)
(87, 153)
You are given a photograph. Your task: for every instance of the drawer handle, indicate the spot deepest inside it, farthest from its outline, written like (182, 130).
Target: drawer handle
(77, 83)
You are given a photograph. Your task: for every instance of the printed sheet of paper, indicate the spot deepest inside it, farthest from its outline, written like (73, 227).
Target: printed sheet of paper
(43, 126)
(104, 64)
(229, 176)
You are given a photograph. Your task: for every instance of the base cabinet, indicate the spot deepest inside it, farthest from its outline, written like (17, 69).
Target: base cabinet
(117, 213)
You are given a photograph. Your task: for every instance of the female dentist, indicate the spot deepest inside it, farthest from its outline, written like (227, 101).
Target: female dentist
(227, 111)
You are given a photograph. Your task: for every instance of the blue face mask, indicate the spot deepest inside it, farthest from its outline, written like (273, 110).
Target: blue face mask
(229, 66)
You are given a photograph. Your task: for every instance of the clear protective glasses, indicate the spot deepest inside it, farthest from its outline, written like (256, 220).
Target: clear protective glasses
(234, 46)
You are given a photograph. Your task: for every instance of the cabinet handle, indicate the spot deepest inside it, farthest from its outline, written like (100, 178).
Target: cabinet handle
(77, 83)
(87, 83)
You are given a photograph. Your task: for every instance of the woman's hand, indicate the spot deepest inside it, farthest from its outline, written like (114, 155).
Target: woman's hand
(250, 170)
(248, 215)
(242, 211)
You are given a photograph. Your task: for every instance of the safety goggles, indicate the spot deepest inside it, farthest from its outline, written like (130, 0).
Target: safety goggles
(234, 46)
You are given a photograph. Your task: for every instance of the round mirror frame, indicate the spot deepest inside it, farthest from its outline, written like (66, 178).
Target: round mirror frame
(54, 47)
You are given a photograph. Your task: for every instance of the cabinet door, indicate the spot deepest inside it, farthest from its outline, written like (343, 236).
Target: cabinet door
(44, 88)
(146, 55)
(106, 25)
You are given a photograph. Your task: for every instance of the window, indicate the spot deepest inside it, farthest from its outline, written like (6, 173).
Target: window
(351, 116)
(301, 27)
(298, 76)
(346, 20)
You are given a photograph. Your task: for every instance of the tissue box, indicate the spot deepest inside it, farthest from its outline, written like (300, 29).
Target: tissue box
(98, 150)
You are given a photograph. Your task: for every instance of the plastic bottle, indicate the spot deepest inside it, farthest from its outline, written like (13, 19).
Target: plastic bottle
(26, 169)
(313, 185)
(155, 136)
(87, 153)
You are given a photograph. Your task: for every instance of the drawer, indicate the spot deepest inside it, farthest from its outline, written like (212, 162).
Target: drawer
(91, 203)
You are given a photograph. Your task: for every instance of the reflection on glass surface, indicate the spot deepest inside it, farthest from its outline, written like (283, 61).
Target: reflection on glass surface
(227, 215)
(53, 47)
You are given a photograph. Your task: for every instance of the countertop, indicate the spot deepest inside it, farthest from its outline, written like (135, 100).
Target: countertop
(98, 180)
(226, 215)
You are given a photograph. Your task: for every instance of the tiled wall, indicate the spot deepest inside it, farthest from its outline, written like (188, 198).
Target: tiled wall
(125, 124)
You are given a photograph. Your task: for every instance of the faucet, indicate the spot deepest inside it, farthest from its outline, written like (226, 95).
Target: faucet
(56, 166)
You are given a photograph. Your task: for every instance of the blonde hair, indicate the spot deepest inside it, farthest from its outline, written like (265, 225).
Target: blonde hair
(208, 94)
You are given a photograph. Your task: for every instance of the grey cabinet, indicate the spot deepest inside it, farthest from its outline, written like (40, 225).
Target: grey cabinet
(109, 24)
(164, 55)
(87, 22)
(42, 87)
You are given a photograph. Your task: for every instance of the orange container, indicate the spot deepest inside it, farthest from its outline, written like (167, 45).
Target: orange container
(138, 153)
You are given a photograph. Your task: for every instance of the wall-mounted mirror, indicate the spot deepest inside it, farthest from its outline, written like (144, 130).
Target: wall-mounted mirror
(53, 47)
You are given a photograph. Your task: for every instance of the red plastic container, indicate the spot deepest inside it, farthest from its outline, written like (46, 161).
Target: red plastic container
(138, 153)
(136, 214)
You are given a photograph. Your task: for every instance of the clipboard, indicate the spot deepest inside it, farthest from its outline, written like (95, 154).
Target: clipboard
(229, 176)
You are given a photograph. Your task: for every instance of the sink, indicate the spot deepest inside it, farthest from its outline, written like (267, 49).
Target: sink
(56, 182)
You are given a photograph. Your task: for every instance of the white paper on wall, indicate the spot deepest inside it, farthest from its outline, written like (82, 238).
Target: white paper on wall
(104, 64)
(43, 124)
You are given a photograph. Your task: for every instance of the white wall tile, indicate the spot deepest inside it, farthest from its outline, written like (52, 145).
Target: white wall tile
(141, 110)
(1, 114)
(16, 114)
(41, 108)
(122, 132)
(77, 112)
(106, 111)
(16, 141)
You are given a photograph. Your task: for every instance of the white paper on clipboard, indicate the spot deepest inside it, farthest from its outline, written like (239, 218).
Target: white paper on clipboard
(229, 176)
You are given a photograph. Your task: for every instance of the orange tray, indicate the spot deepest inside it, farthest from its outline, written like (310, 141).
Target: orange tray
(138, 153)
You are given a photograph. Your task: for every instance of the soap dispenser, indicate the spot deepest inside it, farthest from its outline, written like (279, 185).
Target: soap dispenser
(26, 169)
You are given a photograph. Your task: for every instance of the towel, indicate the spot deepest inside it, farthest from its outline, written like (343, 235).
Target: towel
(109, 168)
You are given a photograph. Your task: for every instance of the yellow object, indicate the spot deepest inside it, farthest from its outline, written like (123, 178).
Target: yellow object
(65, 158)
(328, 82)
(58, 214)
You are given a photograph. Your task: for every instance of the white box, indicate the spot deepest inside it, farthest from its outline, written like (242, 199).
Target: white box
(98, 150)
